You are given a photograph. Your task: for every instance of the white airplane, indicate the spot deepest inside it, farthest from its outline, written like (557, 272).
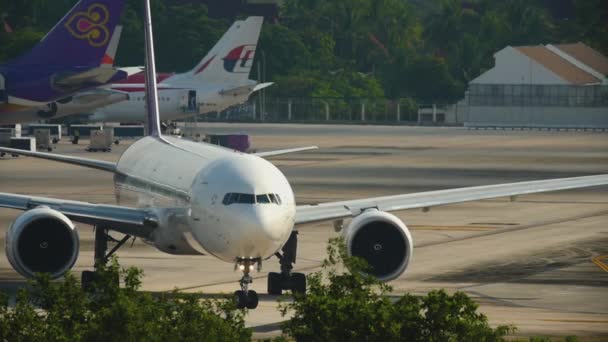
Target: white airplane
(219, 81)
(195, 198)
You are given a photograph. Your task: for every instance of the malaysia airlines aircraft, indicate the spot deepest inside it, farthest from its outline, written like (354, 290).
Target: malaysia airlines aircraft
(194, 198)
(77, 54)
(219, 81)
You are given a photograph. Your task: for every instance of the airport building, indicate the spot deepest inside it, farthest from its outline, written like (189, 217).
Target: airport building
(544, 85)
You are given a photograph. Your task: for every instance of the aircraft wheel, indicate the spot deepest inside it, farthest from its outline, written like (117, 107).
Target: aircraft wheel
(241, 299)
(298, 283)
(252, 299)
(275, 284)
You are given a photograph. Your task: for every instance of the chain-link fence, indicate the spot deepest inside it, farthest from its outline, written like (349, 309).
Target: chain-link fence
(528, 95)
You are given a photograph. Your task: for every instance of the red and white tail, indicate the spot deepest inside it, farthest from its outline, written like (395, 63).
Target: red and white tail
(231, 59)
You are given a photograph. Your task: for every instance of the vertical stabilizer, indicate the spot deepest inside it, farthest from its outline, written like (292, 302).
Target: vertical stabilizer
(80, 38)
(230, 60)
(110, 55)
(152, 116)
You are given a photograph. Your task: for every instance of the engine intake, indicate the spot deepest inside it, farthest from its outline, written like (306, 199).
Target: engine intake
(382, 240)
(42, 240)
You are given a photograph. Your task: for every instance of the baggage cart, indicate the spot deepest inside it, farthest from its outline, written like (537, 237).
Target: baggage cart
(101, 140)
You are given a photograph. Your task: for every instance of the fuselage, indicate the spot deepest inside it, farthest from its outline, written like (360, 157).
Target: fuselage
(236, 205)
(176, 101)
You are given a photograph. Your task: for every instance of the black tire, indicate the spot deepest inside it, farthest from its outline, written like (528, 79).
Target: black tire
(252, 299)
(49, 149)
(241, 299)
(86, 280)
(275, 284)
(298, 283)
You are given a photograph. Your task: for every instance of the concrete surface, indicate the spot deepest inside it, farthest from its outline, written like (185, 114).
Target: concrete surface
(527, 262)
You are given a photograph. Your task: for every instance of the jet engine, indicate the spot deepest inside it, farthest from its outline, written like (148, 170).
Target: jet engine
(382, 240)
(42, 240)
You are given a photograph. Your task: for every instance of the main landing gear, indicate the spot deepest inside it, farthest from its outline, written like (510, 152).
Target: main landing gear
(101, 258)
(246, 298)
(287, 280)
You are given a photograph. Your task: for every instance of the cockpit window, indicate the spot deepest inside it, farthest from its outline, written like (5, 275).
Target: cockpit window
(246, 198)
(233, 197)
(262, 199)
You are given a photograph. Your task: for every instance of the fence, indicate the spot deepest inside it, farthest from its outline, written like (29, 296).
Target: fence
(379, 110)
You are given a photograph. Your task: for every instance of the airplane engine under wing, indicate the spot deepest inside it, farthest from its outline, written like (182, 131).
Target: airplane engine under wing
(382, 240)
(42, 240)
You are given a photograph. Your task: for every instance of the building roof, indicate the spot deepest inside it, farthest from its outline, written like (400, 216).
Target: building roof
(558, 65)
(586, 55)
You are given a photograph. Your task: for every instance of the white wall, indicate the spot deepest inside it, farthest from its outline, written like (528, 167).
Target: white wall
(556, 116)
(513, 67)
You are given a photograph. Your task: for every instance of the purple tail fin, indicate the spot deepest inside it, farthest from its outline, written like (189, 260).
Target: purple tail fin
(80, 38)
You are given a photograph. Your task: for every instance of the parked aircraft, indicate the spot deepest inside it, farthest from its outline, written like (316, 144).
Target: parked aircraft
(219, 81)
(76, 55)
(195, 198)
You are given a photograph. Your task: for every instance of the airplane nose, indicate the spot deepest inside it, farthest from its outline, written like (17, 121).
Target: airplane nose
(268, 223)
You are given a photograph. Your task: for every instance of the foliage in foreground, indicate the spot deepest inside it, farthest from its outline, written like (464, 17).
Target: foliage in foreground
(353, 306)
(62, 311)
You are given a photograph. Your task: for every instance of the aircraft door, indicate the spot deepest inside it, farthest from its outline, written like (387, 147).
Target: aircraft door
(192, 100)
(3, 96)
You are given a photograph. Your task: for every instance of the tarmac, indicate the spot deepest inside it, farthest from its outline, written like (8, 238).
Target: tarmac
(539, 262)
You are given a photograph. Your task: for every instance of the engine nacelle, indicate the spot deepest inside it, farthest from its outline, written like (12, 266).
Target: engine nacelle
(382, 240)
(42, 240)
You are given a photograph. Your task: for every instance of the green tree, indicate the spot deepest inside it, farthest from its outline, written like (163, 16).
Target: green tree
(62, 311)
(349, 305)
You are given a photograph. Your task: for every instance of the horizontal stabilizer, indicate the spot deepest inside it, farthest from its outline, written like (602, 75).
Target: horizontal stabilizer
(85, 162)
(285, 151)
(262, 86)
(245, 90)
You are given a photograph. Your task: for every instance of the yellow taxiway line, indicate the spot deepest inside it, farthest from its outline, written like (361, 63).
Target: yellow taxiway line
(598, 261)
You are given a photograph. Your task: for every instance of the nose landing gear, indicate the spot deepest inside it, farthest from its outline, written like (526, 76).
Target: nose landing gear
(287, 280)
(246, 298)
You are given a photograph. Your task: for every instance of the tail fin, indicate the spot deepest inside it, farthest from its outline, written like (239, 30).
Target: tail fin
(80, 38)
(110, 55)
(230, 60)
(152, 115)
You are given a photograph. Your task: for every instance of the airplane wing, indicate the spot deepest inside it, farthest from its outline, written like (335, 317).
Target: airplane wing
(344, 209)
(98, 75)
(132, 221)
(86, 162)
(286, 151)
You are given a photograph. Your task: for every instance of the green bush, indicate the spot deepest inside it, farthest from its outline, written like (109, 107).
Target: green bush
(352, 306)
(62, 311)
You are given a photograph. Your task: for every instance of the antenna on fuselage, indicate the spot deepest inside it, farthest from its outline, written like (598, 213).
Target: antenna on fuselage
(152, 112)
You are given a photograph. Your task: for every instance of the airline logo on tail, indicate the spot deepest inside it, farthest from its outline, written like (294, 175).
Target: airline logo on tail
(239, 59)
(90, 25)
